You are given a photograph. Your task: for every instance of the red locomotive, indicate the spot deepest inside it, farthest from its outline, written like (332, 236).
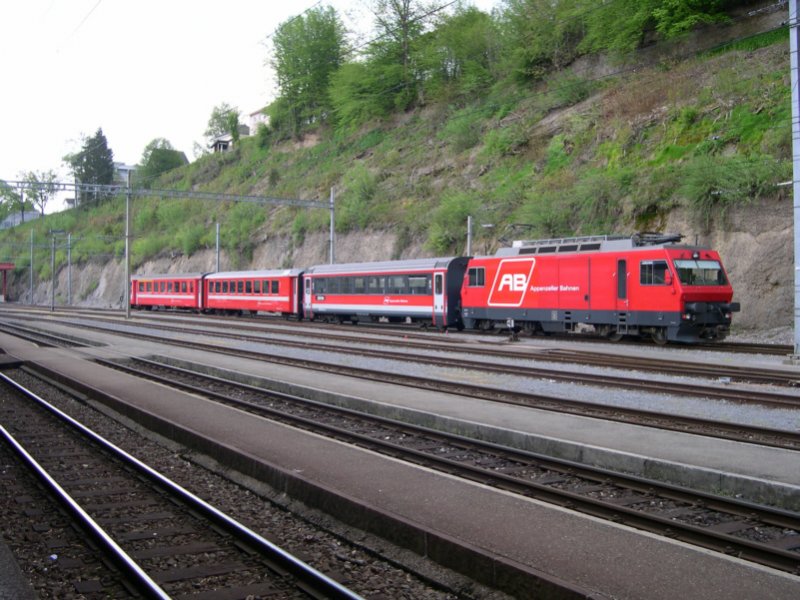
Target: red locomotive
(647, 285)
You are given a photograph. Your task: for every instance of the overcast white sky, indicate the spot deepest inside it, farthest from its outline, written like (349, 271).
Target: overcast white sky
(139, 70)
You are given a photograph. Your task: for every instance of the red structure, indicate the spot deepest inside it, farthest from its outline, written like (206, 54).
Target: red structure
(5, 268)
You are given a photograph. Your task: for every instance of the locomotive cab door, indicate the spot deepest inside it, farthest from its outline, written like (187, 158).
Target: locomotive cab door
(439, 306)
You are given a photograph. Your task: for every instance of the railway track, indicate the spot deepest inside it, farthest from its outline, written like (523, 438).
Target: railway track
(396, 331)
(733, 431)
(760, 534)
(165, 542)
(686, 368)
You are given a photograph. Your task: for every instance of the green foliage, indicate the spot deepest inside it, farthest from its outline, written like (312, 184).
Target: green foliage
(158, 158)
(362, 92)
(463, 129)
(94, 163)
(355, 208)
(238, 234)
(308, 49)
(712, 184)
(557, 154)
(448, 230)
(219, 123)
(505, 141)
(460, 54)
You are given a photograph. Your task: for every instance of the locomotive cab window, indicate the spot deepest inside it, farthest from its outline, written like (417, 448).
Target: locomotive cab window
(477, 277)
(653, 272)
(700, 272)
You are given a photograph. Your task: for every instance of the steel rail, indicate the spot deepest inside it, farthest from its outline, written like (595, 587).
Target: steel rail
(320, 583)
(664, 387)
(647, 418)
(704, 536)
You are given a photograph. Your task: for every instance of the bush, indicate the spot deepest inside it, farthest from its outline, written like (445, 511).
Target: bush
(448, 230)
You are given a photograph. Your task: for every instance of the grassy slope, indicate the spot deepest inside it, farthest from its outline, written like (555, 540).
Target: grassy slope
(572, 156)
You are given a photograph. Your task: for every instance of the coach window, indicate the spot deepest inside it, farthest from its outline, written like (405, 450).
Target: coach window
(248, 287)
(359, 285)
(397, 284)
(652, 272)
(275, 286)
(375, 285)
(224, 287)
(438, 283)
(419, 285)
(477, 277)
(183, 287)
(319, 286)
(240, 287)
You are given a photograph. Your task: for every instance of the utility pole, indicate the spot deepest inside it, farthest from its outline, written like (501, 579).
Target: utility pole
(469, 235)
(333, 222)
(69, 269)
(217, 269)
(794, 47)
(128, 249)
(52, 273)
(31, 303)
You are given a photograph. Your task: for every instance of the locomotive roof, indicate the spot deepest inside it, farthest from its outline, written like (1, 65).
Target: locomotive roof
(597, 243)
(169, 276)
(255, 274)
(389, 266)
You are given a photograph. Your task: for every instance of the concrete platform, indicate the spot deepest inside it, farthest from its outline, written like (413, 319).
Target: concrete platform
(522, 546)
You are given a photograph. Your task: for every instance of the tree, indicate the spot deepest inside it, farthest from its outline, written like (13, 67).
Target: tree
(399, 24)
(93, 164)
(158, 157)
(307, 51)
(461, 54)
(224, 120)
(13, 200)
(42, 189)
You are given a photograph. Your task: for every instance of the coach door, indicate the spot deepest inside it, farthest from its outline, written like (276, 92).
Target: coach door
(439, 316)
(308, 312)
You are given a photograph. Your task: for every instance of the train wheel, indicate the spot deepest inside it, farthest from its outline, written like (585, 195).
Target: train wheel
(615, 337)
(660, 335)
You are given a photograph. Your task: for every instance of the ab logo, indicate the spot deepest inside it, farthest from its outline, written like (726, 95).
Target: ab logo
(511, 281)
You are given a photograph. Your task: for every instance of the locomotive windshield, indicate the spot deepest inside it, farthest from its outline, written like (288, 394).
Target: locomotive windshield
(700, 272)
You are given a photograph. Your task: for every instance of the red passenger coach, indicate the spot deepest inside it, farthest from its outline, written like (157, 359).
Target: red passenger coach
(642, 285)
(422, 290)
(178, 291)
(239, 292)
